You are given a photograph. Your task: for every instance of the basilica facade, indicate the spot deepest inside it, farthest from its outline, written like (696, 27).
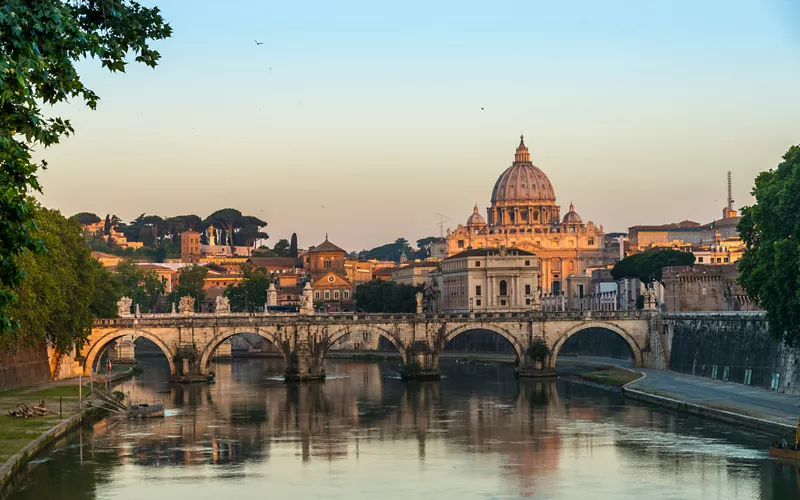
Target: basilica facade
(524, 215)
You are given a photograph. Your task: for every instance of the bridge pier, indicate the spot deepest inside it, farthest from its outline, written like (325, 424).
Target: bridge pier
(421, 362)
(528, 368)
(305, 363)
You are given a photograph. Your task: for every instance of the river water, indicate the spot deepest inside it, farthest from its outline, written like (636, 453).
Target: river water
(365, 434)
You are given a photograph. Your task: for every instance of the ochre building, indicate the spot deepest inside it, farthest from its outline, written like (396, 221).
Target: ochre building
(524, 215)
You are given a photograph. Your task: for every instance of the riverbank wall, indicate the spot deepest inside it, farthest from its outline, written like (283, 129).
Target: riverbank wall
(23, 365)
(733, 347)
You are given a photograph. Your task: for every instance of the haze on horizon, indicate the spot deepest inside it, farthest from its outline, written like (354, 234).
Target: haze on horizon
(365, 120)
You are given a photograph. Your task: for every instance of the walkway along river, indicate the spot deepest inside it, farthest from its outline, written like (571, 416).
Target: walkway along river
(478, 433)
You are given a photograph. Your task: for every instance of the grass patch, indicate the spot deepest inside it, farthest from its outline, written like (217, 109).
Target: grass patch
(609, 375)
(15, 433)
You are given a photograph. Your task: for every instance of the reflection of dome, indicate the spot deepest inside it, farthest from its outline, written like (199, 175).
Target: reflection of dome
(572, 216)
(522, 181)
(476, 219)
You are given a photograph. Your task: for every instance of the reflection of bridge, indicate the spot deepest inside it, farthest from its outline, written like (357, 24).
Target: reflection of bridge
(190, 340)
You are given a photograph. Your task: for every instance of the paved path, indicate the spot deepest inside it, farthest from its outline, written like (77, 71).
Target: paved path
(736, 398)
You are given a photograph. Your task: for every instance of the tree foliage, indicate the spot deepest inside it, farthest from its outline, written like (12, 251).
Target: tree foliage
(389, 251)
(144, 287)
(250, 294)
(386, 296)
(293, 246)
(64, 288)
(190, 284)
(85, 218)
(770, 267)
(647, 266)
(40, 43)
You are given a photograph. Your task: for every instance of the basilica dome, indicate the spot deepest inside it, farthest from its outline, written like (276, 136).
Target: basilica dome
(572, 216)
(476, 219)
(522, 181)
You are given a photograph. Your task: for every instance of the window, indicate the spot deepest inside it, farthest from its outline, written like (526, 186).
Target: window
(346, 294)
(478, 290)
(503, 287)
(527, 263)
(336, 294)
(502, 302)
(719, 260)
(327, 294)
(699, 259)
(535, 215)
(326, 264)
(554, 243)
(478, 302)
(460, 243)
(591, 241)
(527, 302)
(725, 259)
(316, 295)
(527, 289)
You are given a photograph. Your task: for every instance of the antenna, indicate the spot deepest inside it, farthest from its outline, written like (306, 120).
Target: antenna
(442, 219)
(730, 192)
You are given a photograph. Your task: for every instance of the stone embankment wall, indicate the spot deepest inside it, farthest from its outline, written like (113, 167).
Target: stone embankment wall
(23, 365)
(734, 347)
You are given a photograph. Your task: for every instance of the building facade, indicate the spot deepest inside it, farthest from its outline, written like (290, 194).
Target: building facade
(415, 273)
(190, 246)
(524, 215)
(325, 258)
(487, 279)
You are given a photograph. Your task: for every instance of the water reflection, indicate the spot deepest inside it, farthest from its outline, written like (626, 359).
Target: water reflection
(478, 433)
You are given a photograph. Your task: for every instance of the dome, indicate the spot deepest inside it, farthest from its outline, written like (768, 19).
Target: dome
(476, 219)
(572, 216)
(523, 181)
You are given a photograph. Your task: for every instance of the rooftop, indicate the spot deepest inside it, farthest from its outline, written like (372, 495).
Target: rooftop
(483, 252)
(325, 246)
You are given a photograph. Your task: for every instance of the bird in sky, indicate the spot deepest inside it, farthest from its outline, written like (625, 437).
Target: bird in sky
(258, 43)
(323, 206)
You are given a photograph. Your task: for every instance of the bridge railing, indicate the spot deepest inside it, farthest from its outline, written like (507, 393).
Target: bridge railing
(170, 319)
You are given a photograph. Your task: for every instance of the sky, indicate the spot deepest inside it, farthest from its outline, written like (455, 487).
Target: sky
(365, 120)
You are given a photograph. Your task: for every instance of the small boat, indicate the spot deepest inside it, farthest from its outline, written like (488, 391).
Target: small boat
(784, 453)
(145, 410)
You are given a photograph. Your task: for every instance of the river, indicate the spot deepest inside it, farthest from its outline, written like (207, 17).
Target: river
(365, 434)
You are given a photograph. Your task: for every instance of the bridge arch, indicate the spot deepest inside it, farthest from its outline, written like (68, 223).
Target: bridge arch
(268, 334)
(512, 339)
(636, 350)
(382, 332)
(96, 347)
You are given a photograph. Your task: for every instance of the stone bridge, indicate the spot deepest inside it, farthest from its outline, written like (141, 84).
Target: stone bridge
(190, 340)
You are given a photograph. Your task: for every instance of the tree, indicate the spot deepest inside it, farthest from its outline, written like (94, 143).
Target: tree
(107, 226)
(86, 218)
(282, 248)
(293, 246)
(390, 251)
(386, 296)
(181, 223)
(40, 44)
(144, 287)
(64, 287)
(190, 284)
(647, 266)
(770, 267)
(250, 294)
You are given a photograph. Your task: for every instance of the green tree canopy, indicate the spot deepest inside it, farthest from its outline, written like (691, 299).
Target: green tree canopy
(770, 267)
(85, 218)
(293, 246)
(647, 266)
(144, 287)
(389, 251)
(386, 296)
(190, 284)
(40, 45)
(64, 287)
(250, 294)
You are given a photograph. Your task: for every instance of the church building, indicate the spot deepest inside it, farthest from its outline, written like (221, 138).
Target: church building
(524, 215)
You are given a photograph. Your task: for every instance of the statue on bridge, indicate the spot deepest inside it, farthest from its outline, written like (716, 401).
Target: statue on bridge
(307, 300)
(222, 305)
(186, 305)
(418, 297)
(272, 295)
(124, 307)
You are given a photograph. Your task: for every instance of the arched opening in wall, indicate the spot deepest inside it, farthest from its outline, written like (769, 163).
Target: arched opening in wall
(476, 342)
(244, 356)
(364, 341)
(595, 344)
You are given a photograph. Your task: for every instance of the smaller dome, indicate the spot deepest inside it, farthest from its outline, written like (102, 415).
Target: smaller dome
(476, 219)
(572, 216)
